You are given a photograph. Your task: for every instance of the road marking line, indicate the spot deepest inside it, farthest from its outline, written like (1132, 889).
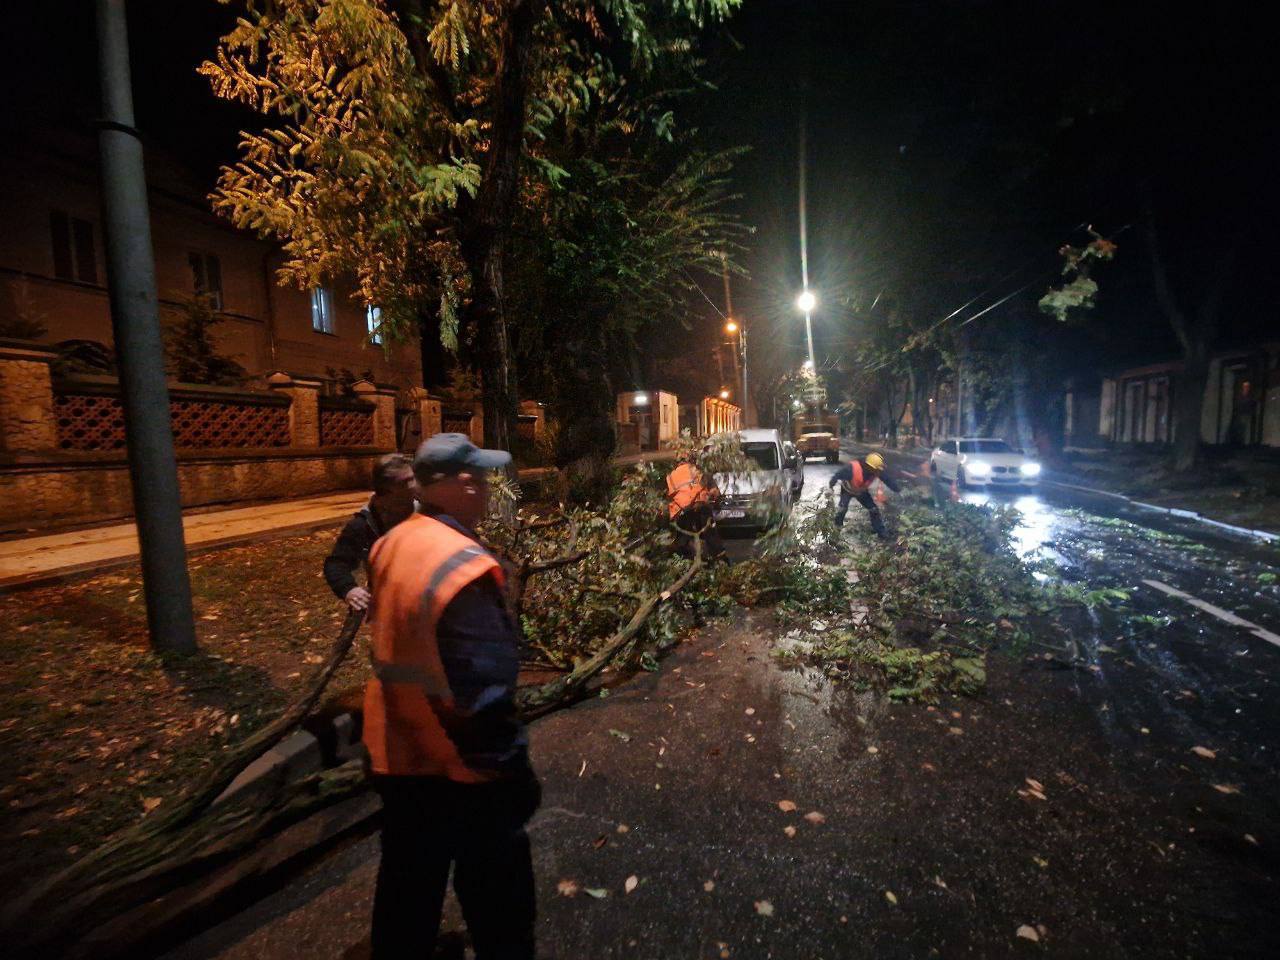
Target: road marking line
(1225, 615)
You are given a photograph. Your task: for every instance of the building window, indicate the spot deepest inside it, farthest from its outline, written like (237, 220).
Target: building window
(73, 254)
(206, 275)
(322, 310)
(373, 318)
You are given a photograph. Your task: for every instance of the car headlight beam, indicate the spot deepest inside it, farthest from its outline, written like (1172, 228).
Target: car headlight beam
(1030, 469)
(977, 468)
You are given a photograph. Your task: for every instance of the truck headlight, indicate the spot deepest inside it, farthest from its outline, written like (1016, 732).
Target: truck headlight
(977, 468)
(1030, 469)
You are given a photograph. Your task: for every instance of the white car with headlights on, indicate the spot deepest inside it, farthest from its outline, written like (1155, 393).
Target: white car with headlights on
(983, 462)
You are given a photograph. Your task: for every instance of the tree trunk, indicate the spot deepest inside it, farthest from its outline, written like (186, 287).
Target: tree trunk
(1196, 333)
(487, 219)
(1188, 407)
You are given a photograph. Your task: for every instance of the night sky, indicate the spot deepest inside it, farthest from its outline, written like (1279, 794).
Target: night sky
(951, 142)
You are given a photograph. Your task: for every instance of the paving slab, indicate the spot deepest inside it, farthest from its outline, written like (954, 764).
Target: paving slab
(40, 559)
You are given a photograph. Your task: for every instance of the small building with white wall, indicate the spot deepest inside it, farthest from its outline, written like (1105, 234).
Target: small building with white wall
(655, 413)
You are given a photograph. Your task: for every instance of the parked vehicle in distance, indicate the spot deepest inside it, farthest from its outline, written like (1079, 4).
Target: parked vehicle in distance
(795, 467)
(759, 499)
(818, 436)
(983, 462)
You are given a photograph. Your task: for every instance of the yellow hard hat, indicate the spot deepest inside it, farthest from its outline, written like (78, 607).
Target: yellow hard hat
(875, 462)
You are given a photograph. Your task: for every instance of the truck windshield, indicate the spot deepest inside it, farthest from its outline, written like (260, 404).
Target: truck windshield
(984, 446)
(765, 455)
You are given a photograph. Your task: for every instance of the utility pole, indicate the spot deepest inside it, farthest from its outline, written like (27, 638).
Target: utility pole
(135, 322)
(741, 330)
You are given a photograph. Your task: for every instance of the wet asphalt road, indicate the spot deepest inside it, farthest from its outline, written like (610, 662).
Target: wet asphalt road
(1141, 848)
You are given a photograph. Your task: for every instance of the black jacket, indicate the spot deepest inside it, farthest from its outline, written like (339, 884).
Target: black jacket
(351, 551)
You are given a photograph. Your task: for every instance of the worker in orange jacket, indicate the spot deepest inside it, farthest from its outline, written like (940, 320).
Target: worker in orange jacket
(447, 750)
(855, 479)
(691, 507)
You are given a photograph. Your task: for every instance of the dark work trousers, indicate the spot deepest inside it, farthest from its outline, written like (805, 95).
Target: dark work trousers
(429, 823)
(693, 519)
(864, 498)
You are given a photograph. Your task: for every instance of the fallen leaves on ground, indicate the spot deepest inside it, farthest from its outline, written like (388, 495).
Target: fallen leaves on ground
(814, 817)
(891, 897)
(568, 888)
(709, 886)
(1028, 932)
(786, 806)
(789, 830)
(623, 828)
(621, 735)
(150, 803)
(631, 883)
(1226, 788)
(598, 893)
(1204, 752)
(954, 731)
(764, 908)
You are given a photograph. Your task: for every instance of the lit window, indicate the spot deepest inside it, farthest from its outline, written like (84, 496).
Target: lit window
(322, 310)
(373, 318)
(206, 275)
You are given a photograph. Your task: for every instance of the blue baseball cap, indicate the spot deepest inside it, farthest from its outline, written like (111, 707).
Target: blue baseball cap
(449, 453)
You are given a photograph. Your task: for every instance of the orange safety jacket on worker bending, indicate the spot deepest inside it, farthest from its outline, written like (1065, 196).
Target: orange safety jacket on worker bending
(861, 482)
(685, 488)
(416, 570)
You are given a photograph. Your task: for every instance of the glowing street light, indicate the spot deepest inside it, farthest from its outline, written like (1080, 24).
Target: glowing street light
(808, 366)
(641, 399)
(731, 326)
(724, 394)
(806, 302)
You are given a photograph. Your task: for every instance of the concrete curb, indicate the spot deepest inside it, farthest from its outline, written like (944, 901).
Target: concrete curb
(1263, 535)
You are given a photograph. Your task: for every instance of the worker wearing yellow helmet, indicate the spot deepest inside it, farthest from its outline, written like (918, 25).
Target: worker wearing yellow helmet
(855, 479)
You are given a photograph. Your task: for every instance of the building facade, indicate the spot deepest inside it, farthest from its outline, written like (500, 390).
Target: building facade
(1241, 401)
(53, 273)
(655, 414)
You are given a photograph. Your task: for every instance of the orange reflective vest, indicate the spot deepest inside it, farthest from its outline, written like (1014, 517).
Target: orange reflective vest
(685, 488)
(416, 570)
(860, 482)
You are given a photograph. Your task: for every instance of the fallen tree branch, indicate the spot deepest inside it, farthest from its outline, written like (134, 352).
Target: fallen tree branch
(136, 848)
(542, 699)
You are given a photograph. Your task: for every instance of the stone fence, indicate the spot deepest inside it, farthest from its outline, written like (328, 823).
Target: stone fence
(62, 442)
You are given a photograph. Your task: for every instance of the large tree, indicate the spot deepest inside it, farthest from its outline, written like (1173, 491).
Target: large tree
(401, 135)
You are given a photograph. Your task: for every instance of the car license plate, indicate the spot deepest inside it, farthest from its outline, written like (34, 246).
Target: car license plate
(730, 514)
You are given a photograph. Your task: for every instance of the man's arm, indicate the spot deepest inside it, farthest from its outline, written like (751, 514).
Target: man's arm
(890, 481)
(844, 473)
(479, 650)
(350, 550)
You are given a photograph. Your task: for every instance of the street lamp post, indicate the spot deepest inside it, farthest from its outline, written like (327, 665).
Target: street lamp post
(806, 302)
(131, 289)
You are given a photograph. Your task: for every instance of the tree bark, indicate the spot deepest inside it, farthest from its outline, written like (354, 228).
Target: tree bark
(1196, 333)
(487, 220)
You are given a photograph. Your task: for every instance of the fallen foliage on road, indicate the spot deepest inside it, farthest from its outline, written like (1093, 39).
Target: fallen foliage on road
(914, 618)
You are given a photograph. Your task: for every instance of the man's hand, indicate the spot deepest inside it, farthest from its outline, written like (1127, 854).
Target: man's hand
(358, 598)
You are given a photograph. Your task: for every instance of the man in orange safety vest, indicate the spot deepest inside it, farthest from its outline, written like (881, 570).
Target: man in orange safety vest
(691, 506)
(447, 750)
(855, 479)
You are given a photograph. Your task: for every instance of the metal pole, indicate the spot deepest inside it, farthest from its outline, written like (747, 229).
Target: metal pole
(748, 417)
(135, 321)
(808, 332)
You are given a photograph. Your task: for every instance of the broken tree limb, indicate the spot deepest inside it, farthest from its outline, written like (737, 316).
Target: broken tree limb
(159, 835)
(542, 699)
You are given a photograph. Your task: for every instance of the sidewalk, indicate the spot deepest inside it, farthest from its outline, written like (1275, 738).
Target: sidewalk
(45, 558)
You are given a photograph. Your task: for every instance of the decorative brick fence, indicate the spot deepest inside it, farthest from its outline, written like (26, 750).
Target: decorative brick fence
(62, 445)
(91, 417)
